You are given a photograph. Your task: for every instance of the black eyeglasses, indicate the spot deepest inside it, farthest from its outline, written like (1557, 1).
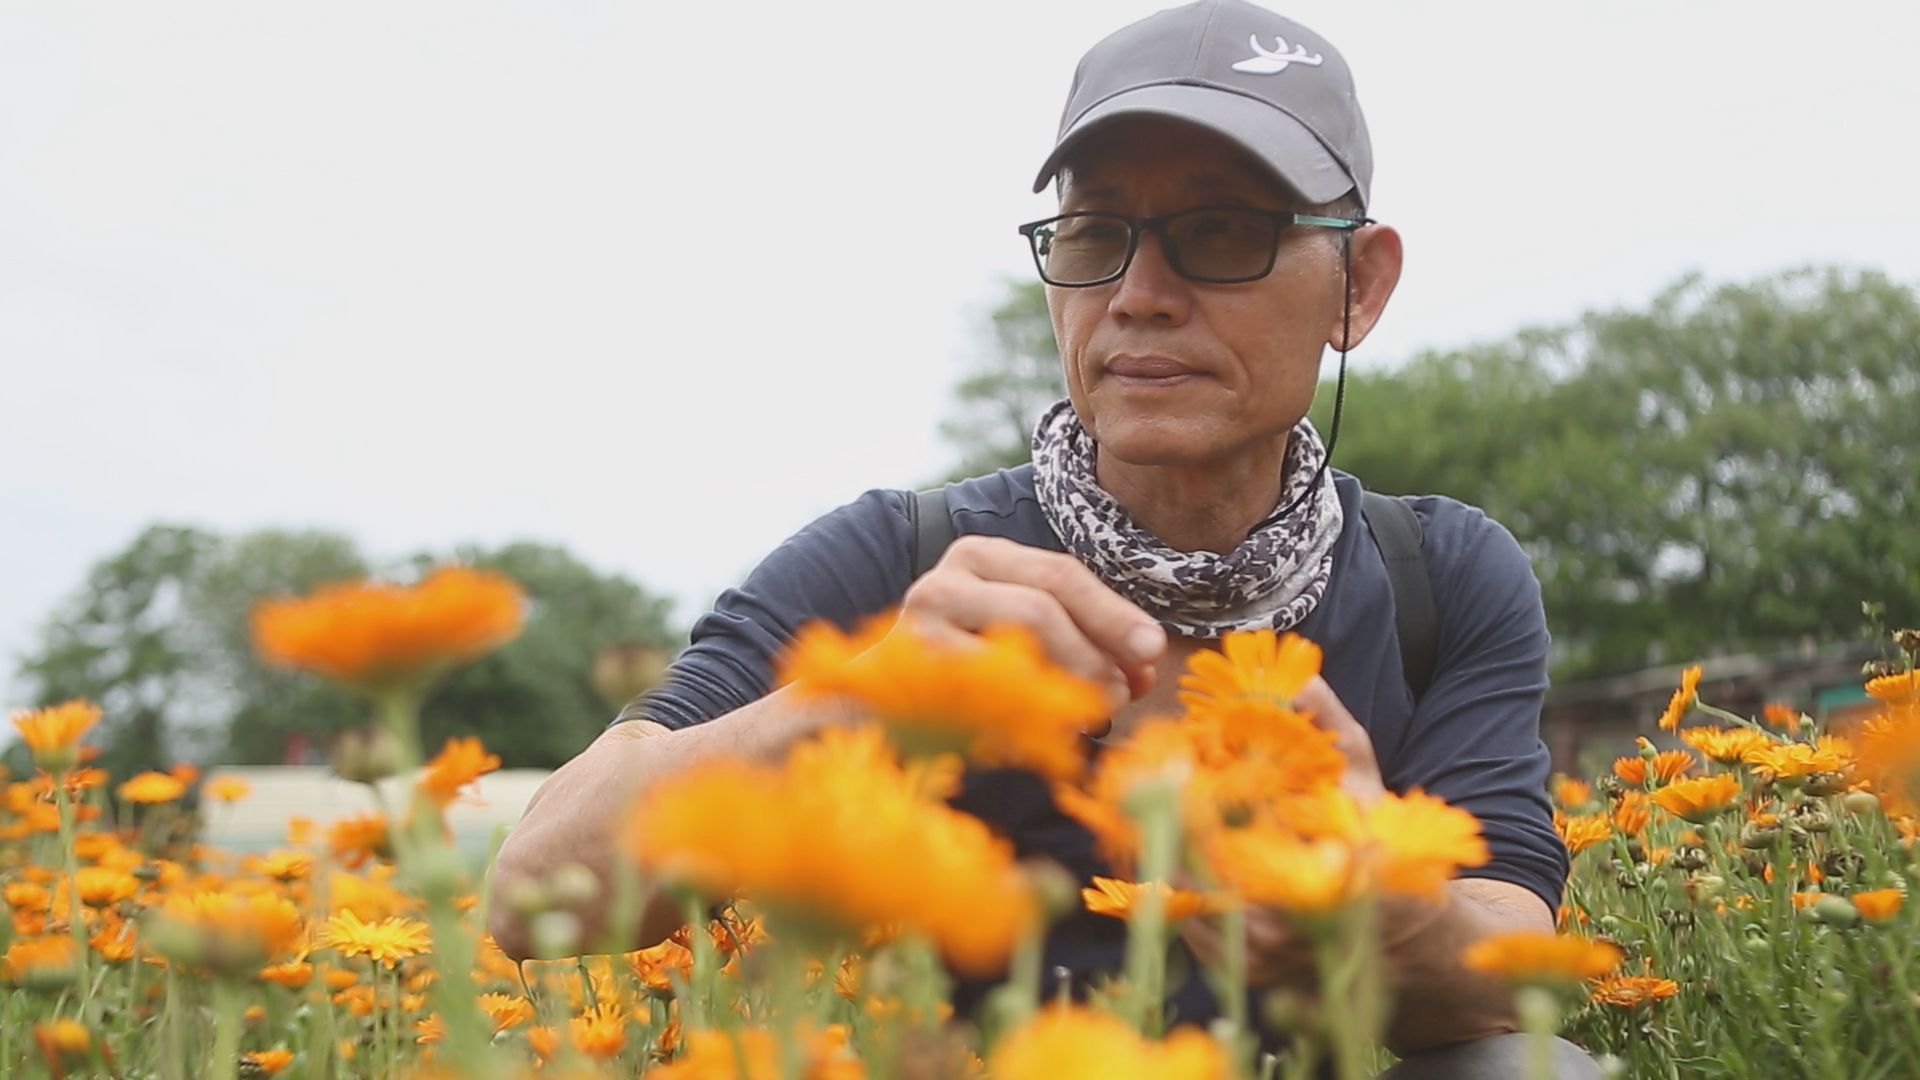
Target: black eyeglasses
(1217, 245)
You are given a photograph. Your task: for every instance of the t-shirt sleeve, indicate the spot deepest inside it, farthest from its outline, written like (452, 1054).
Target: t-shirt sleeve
(850, 563)
(1475, 736)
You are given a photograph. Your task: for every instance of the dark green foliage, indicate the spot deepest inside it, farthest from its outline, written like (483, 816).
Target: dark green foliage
(158, 635)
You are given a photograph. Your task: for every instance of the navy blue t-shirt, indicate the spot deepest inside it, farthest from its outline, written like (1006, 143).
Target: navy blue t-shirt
(1473, 739)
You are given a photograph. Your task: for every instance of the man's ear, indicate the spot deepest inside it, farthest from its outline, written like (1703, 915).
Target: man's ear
(1376, 261)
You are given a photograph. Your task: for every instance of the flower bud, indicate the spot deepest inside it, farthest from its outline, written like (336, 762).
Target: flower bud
(1053, 886)
(1755, 835)
(1825, 783)
(1811, 817)
(526, 896)
(440, 872)
(556, 933)
(1835, 911)
(573, 885)
(367, 755)
(1860, 803)
(1706, 886)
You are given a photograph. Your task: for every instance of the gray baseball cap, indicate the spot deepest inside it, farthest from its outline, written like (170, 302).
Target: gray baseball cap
(1274, 87)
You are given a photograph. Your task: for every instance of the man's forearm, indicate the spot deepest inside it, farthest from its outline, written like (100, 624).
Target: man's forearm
(1437, 1001)
(580, 814)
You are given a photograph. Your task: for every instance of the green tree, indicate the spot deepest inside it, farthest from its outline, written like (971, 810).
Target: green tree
(159, 636)
(270, 711)
(1019, 376)
(1732, 468)
(120, 641)
(533, 701)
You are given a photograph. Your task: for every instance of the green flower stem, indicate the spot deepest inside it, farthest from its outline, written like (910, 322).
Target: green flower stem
(698, 1012)
(76, 916)
(1233, 931)
(1738, 720)
(1539, 1018)
(226, 1031)
(399, 713)
(174, 1050)
(1156, 811)
(1350, 991)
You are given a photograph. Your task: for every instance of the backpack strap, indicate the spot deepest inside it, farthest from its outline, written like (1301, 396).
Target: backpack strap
(1396, 531)
(932, 525)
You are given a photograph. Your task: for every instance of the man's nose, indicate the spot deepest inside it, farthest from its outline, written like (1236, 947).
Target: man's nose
(1150, 290)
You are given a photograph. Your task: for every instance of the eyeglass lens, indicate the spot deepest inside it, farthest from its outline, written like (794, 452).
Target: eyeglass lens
(1217, 244)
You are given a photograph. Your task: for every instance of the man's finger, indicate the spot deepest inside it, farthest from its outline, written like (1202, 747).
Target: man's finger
(1318, 700)
(974, 604)
(1117, 625)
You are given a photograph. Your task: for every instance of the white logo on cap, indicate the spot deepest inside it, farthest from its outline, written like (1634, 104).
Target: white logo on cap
(1264, 62)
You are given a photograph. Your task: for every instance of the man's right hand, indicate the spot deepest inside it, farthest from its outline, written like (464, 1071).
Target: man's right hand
(1086, 628)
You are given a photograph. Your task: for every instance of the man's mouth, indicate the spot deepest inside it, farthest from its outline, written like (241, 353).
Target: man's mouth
(1150, 371)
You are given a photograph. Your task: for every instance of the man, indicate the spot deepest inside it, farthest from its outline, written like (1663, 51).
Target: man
(1213, 168)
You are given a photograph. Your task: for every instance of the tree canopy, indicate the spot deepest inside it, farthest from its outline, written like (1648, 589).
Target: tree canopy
(158, 635)
(1730, 467)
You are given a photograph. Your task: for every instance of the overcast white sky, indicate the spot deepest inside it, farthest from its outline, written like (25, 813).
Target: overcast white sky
(617, 276)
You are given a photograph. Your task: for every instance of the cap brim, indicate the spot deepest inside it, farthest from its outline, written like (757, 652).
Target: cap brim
(1274, 138)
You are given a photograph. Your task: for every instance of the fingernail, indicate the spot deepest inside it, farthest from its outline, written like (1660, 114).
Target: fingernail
(1146, 641)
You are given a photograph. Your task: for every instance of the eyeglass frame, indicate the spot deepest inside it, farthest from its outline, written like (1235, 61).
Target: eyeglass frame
(1135, 226)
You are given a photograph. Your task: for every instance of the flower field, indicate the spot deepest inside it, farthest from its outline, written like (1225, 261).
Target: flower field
(1737, 906)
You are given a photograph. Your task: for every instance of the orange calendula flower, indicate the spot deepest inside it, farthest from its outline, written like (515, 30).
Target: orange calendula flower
(1582, 832)
(1700, 798)
(1631, 991)
(1900, 688)
(1878, 905)
(1888, 757)
(506, 1010)
(114, 940)
(1111, 896)
(65, 1044)
(228, 789)
(152, 787)
(1419, 843)
(1794, 761)
(544, 1041)
(1272, 866)
(354, 840)
(268, 1062)
(430, 1029)
(1781, 716)
(1725, 745)
(388, 941)
(1261, 665)
(1532, 956)
(1630, 814)
(1065, 1042)
(1666, 766)
(1000, 700)
(281, 865)
(1572, 794)
(53, 734)
(226, 931)
(382, 636)
(600, 1032)
(294, 974)
(459, 763)
(41, 961)
(827, 832)
(100, 886)
(1683, 699)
